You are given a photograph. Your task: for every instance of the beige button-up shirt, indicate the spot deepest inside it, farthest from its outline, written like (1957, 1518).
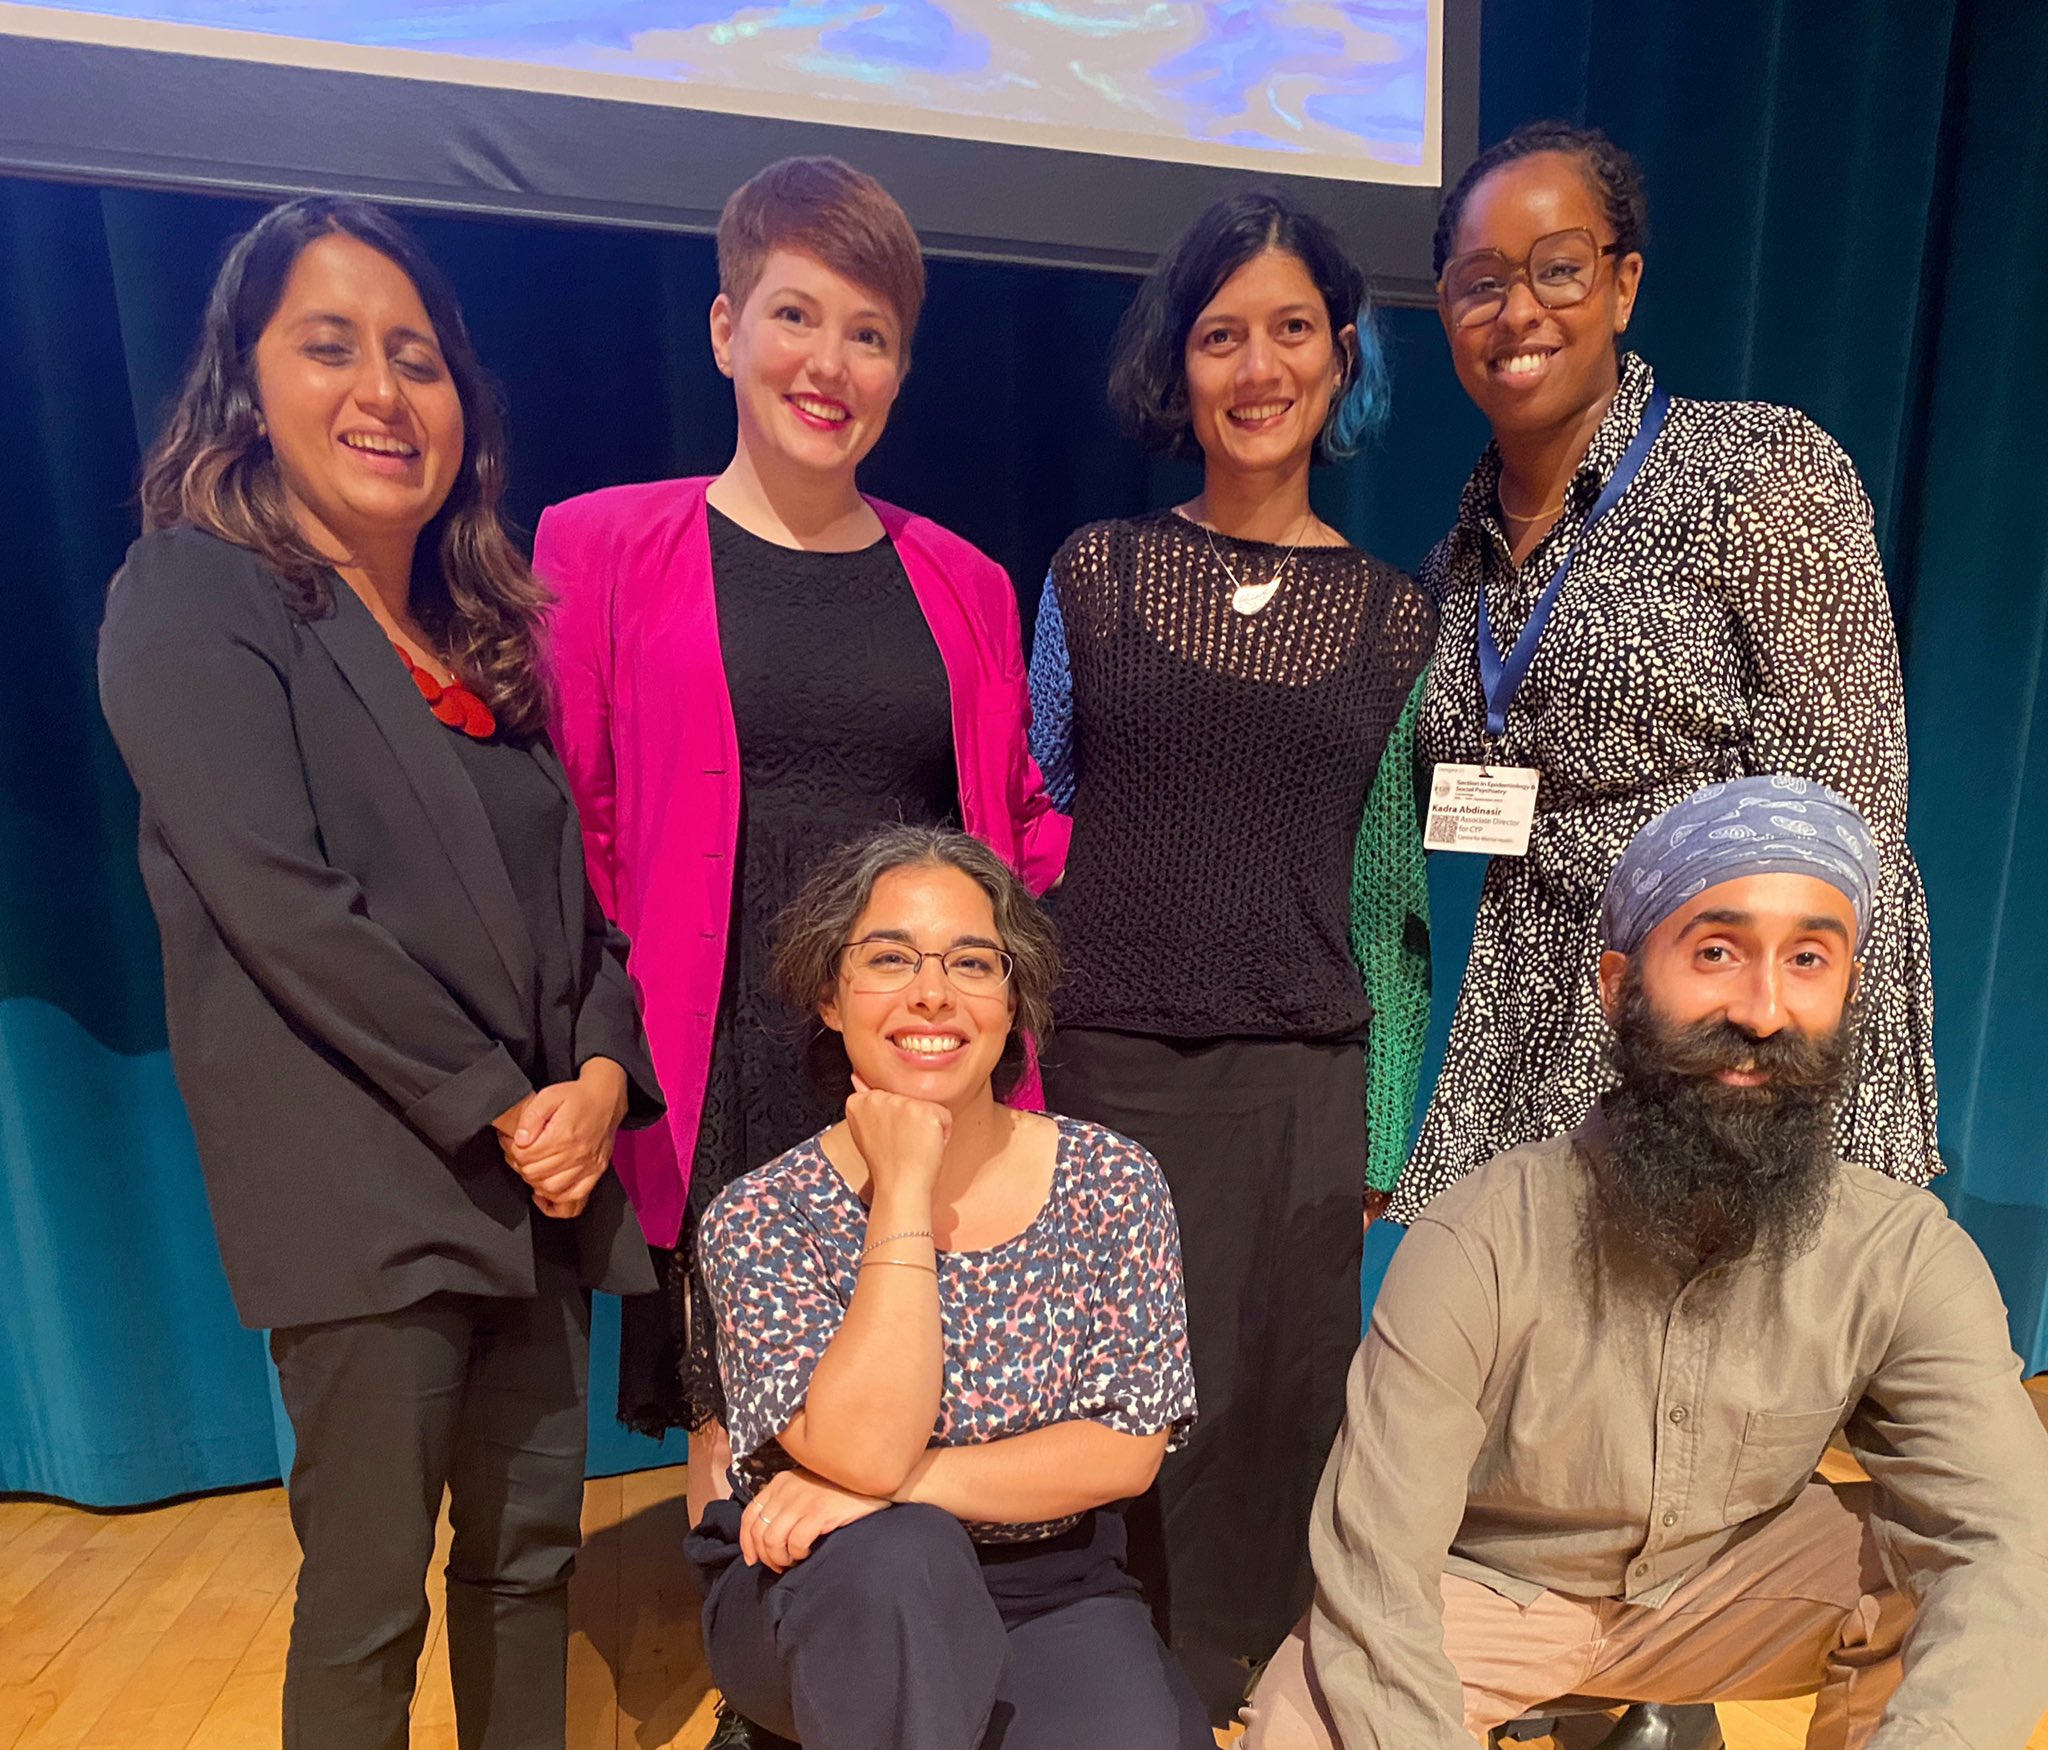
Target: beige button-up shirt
(1511, 1422)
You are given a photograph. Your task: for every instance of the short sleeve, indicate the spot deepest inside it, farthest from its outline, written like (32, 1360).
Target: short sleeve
(1133, 1373)
(774, 1301)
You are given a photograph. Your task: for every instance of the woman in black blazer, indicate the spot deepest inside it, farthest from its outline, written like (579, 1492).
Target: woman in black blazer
(402, 1027)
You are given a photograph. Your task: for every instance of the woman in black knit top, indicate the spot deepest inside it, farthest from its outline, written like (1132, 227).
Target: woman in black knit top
(1213, 687)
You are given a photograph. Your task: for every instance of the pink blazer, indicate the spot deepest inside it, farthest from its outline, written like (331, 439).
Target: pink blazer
(643, 723)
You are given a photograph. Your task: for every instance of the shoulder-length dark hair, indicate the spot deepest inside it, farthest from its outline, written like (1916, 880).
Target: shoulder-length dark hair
(211, 466)
(816, 926)
(1148, 378)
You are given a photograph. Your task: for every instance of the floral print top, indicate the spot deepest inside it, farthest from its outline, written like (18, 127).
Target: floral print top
(1080, 1317)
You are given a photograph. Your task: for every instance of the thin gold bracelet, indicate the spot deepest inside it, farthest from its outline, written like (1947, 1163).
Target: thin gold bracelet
(900, 1264)
(909, 1233)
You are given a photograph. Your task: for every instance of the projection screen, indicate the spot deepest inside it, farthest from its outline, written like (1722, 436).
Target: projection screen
(1075, 132)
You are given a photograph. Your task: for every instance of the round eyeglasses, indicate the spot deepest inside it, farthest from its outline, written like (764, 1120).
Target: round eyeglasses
(1559, 271)
(878, 965)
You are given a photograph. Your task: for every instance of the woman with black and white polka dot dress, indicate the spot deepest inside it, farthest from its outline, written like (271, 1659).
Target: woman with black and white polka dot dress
(1729, 616)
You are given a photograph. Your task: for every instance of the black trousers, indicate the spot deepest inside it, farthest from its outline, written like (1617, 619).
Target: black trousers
(481, 1395)
(898, 1633)
(1263, 1144)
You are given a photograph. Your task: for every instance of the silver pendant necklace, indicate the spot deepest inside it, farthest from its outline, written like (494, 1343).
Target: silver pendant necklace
(1251, 598)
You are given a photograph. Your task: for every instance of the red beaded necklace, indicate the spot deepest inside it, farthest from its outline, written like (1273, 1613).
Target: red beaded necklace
(450, 701)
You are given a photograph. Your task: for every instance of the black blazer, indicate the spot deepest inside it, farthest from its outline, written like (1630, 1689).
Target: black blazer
(346, 969)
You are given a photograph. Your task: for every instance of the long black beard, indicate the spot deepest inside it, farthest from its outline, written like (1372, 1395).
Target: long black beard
(1701, 1173)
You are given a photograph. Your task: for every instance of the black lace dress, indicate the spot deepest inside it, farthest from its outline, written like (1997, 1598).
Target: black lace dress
(844, 719)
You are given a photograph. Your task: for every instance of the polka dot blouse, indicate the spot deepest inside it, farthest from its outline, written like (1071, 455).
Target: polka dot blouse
(1728, 618)
(1079, 1318)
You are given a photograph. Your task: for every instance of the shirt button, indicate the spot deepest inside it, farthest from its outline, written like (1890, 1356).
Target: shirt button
(1642, 1568)
(1671, 1519)
(1678, 1412)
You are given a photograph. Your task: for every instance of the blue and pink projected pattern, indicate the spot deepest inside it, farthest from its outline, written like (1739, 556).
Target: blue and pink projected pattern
(1325, 87)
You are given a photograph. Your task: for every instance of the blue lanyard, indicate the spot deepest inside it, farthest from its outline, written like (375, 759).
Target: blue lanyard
(1500, 680)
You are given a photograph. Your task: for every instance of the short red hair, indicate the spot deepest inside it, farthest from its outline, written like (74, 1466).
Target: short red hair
(826, 209)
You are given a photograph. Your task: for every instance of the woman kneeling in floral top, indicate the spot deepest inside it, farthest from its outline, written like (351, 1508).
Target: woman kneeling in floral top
(951, 1334)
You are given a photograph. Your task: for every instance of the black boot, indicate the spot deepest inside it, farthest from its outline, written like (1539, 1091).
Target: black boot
(1648, 1726)
(733, 1731)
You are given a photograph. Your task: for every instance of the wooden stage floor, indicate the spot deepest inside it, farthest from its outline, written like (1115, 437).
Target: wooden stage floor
(165, 1628)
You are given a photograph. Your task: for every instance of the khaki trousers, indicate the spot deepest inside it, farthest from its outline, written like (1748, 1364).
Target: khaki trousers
(1799, 1605)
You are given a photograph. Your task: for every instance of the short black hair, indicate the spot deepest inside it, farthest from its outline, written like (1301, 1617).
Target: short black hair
(1613, 174)
(1148, 380)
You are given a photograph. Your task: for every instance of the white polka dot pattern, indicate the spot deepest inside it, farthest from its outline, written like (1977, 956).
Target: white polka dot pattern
(1728, 618)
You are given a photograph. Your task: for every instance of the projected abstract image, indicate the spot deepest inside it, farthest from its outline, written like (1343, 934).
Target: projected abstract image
(1325, 87)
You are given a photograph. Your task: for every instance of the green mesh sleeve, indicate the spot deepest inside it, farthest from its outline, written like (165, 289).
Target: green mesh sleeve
(1390, 941)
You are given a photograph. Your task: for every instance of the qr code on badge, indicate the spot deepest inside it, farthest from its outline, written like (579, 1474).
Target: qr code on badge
(1443, 832)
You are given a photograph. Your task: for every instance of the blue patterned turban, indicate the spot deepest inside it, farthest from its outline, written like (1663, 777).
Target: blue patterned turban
(1722, 832)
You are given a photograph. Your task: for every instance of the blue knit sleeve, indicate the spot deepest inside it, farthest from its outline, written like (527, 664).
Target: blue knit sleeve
(1052, 701)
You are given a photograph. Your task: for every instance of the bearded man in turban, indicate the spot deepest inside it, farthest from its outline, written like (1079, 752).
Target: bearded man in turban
(1578, 1456)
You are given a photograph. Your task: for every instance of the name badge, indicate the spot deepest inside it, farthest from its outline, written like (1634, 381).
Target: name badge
(1488, 809)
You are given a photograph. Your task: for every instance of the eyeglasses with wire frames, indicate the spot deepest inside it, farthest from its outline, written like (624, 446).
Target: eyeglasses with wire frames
(879, 965)
(1559, 271)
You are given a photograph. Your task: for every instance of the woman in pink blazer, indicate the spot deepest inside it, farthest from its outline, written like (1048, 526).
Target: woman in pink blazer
(750, 670)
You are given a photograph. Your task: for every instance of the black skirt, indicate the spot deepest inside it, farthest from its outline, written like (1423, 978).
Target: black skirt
(1263, 1144)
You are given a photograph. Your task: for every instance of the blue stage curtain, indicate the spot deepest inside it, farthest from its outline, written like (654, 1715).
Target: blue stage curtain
(1850, 214)
(124, 1376)
(1976, 545)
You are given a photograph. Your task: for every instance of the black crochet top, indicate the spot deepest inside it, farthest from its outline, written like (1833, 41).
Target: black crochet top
(1221, 763)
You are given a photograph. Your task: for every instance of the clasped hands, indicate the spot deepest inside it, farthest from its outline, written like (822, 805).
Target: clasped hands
(559, 1139)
